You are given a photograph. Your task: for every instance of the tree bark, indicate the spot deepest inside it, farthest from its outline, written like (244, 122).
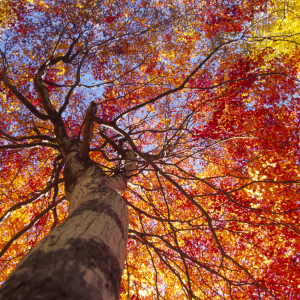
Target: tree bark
(83, 258)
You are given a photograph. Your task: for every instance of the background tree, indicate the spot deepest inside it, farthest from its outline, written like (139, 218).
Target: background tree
(206, 110)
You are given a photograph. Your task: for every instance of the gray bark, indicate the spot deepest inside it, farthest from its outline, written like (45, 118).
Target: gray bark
(83, 258)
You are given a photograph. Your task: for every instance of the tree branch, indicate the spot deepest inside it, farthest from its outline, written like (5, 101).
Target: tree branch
(28, 105)
(31, 200)
(22, 138)
(25, 229)
(32, 145)
(88, 131)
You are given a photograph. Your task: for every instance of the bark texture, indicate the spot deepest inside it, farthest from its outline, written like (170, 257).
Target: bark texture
(83, 258)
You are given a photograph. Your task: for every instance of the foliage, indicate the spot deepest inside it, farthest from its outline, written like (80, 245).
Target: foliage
(210, 107)
(278, 27)
(11, 11)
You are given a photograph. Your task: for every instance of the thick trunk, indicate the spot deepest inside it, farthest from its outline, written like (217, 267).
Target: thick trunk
(83, 258)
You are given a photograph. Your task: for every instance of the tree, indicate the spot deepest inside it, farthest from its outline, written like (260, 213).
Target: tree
(181, 107)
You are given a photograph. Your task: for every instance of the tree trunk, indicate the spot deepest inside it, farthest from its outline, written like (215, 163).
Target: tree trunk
(83, 258)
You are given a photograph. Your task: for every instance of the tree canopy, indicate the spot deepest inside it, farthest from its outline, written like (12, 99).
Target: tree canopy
(206, 93)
